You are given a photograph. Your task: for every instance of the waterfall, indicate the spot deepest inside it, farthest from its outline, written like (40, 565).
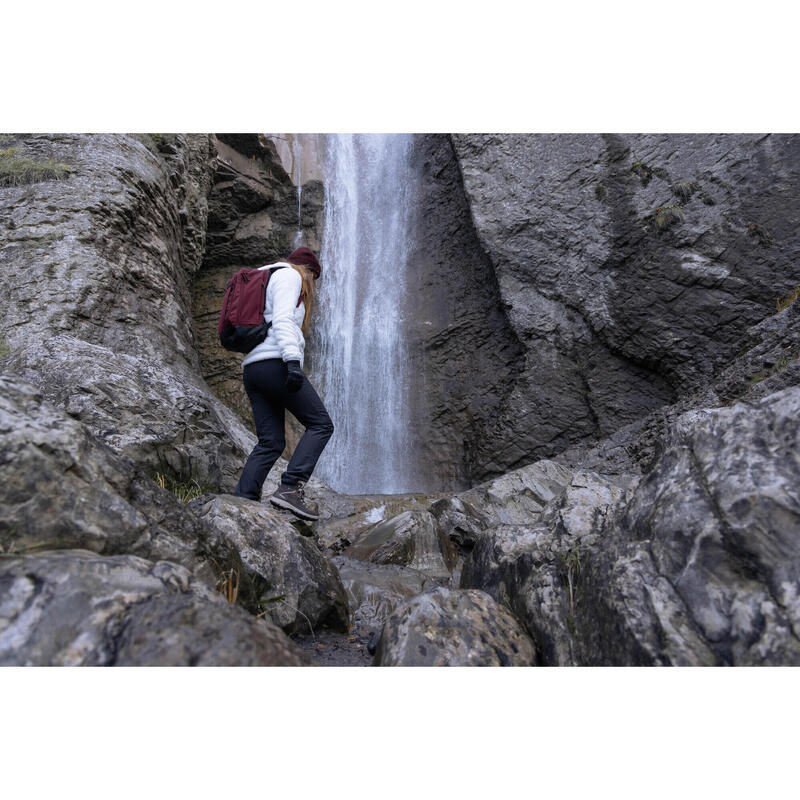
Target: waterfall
(297, 177)
(361, 354)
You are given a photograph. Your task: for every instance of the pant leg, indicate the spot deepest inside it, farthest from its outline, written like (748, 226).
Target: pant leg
(306, 405)
(264, 383)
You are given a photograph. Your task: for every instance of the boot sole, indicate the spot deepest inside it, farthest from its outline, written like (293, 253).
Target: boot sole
(276, 501)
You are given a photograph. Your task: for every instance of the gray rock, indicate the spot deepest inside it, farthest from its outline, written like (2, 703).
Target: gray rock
(61, 487)
(460, 520)
(410, 539)
(96, 271)
(375, 590)
(75, 608)
(162, 421)
(458, 332)
(533, 568)
(518, 496)
(455, 628)
(100, 256)
(293, 582)
(703, 566)
(629, 268)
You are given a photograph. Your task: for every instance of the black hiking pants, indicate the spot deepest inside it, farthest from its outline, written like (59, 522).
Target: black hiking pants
(264, 382)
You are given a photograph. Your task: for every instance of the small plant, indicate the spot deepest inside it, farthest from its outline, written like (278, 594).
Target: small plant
(684, 191)
(667, 216)
(647, 173)
(5, 350)
(228, 584)
(16, 170)
(782, 302)
(184, 490)
(760, 234)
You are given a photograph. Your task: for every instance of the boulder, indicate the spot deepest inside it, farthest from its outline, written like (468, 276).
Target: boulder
(375, 590)
(410, 539)
(533, 568)
(455, 628)
(703, 565)
(290, 579)
(519, 495)
(76, 608)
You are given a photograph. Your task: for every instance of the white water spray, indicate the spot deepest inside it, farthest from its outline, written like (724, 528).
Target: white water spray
(361, 355)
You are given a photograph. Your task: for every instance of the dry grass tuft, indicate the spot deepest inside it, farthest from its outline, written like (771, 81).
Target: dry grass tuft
(16, 170)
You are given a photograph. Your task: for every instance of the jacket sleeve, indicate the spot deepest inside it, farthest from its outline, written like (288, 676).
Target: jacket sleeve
(287, 285)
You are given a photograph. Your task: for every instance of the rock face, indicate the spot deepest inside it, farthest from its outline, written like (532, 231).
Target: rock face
(453, 628)
(532, 566)
(96, 272)
(629, 268)
(459, 335)
(162, 421)
(296, 586)
(74, 608)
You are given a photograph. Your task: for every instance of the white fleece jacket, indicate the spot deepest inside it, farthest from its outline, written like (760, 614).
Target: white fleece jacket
(285, 338)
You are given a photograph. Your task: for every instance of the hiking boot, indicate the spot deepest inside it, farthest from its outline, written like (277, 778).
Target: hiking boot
(292, 498)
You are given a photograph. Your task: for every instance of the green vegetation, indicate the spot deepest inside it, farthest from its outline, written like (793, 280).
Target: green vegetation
(785, 302)
(5, 350)
(667, 216)
(684, 191)
(646, 173)
(779, 366)
(184, 490)
(17, 170)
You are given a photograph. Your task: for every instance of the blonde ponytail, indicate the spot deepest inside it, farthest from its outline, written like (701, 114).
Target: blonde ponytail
(307, 295)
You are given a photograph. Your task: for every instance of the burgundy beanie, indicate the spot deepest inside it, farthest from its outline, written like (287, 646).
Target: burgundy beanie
(306, 257)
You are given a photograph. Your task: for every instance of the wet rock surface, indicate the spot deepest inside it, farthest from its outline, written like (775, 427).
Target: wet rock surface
(411, 539)
(75, 608)
(455, 628)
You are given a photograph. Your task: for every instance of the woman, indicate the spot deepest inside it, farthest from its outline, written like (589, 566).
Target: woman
(274, 382)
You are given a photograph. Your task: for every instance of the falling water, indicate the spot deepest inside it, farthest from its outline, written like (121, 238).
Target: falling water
(297, 177)
(361, 359)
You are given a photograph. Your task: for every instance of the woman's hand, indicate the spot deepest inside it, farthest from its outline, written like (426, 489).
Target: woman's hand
(294, 379)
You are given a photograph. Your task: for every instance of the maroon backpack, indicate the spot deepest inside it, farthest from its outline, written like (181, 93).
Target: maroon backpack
(241, 321)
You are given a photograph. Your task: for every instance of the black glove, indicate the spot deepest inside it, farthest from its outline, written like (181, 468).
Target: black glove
(294, 380)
